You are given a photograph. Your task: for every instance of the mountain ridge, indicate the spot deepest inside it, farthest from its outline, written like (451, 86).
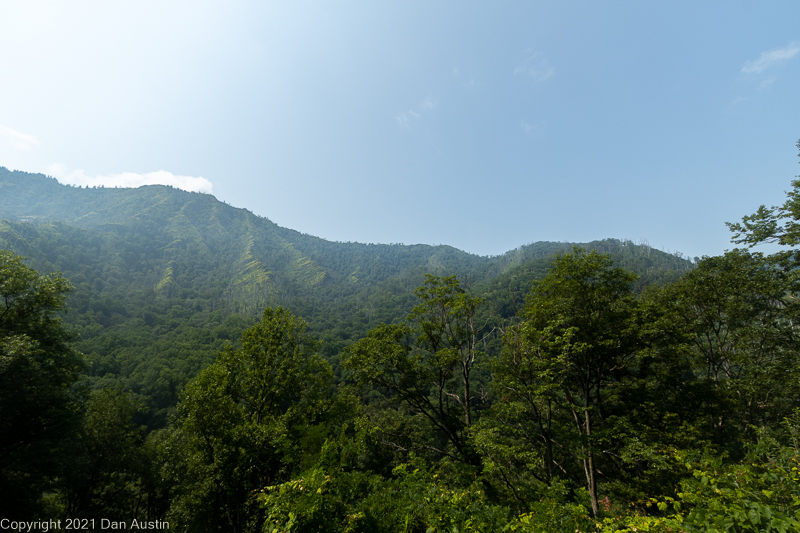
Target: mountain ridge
(164, 278)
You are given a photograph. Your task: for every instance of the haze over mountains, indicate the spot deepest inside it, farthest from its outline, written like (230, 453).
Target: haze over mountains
(164, 277)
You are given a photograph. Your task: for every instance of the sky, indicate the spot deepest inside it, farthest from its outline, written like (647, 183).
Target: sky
(481, 125)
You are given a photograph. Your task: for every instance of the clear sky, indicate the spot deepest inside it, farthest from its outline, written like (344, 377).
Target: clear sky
(480, 125)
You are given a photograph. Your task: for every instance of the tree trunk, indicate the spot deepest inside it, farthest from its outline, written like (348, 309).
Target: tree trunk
(590, 470)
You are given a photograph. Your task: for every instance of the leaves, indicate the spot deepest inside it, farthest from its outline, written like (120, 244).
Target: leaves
(37, 368)
(559, 368)
(426, 364)
(777, 224)
(240, 421)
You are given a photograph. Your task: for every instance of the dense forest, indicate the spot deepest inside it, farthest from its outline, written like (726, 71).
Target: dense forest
(169, 361)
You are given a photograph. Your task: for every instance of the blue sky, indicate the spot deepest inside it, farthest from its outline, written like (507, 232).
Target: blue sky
(479, 125)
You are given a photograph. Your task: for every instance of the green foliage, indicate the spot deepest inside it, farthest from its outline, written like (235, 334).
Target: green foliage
(37, 368)
(738, 311)
(167, 280)
(761, 493)
(777, 224)
(239, 423)
(110, 464)
(557, 374)
(164, 278)
(337, 495)
(426, 365)
(332, 497)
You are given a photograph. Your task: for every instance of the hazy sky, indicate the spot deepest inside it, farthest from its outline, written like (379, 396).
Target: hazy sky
(480, 125)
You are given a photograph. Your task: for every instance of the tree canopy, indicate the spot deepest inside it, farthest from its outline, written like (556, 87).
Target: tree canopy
(776, 224)
(37, 368)
(590, 390)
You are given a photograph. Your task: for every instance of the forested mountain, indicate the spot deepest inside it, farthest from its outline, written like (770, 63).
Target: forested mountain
(211, 371)
(164, 277)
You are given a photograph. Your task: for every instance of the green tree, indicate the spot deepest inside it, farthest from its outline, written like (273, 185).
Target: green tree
(37, 368)
(739, 312)
(109, 462)
(777, 224)
(335, 496)
(426, 366)
(759, 494)
(240, 424)
(559, 368)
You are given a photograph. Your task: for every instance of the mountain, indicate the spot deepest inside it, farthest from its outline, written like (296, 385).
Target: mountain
(164, 278)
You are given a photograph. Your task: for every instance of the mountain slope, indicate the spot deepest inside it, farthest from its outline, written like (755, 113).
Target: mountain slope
(163, 277)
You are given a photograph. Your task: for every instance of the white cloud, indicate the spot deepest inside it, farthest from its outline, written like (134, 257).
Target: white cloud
(20, 141)
(533, 130)
(536, 67)
(771, 58)
(767, 82)
(402, 120)
(130, 179)
(429, 103)
(468, 84)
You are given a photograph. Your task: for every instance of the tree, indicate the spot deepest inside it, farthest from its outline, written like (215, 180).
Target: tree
(37, 368)
(240, 423)
(559, 366)
(335, 497)
(777, 224)
(426, 364)
(759, 494)
(739, 311)
(109, 461)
